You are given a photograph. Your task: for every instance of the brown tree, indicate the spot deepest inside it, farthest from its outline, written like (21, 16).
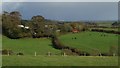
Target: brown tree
(10, 22)
(38, 25)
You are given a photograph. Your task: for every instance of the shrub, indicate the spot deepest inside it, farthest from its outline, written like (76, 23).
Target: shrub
(7, 51)
(113, 50)
(68, 52)
(95, 52)
(73, 49)
(56, 43)
(106, 31)
(104, 54)
(20, 53)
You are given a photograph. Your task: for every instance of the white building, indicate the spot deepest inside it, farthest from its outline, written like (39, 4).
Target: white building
(21, 26)
(26, 27)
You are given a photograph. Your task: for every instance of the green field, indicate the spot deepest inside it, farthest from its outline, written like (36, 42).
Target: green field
(89, 41)
(107, 23)
(59, 61)
(29, 46)
(84, 40)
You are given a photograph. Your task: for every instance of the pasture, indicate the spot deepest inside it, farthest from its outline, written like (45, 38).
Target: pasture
(85, 41)
(90, 41)
(105, 23)
(29, 46)
(59, 61)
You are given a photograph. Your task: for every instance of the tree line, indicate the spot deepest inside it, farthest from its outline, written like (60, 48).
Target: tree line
(14, 27)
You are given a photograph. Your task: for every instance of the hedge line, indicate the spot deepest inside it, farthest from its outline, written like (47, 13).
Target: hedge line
(74, 51)
(106, 31)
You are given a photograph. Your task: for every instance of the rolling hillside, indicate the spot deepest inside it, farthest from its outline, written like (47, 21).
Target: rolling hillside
(89, 41)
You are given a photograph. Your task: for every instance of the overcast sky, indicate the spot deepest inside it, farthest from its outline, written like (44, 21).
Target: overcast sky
(69, 11)
(59, 0)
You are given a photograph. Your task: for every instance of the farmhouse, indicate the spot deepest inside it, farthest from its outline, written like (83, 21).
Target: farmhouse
(26, 27)
(75, 30)
(22, 26)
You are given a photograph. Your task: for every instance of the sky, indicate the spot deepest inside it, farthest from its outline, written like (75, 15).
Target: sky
(68, 11)
(59, 0)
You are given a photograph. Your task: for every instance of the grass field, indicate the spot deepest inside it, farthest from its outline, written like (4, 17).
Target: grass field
(88, 41)
(29, 46)
(85, 41)
(107, 24)
(59, 61)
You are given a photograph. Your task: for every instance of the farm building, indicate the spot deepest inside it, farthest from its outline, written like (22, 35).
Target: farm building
(22, 26)
(75, 30)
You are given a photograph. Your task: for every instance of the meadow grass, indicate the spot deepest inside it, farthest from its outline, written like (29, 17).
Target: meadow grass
(29, 46)
(84, 40)
(42, 60)
(89, 41)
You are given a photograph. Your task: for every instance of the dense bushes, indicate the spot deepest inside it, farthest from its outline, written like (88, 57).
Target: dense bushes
(14, 27)
(106, 31)
(113, 50)
(10, 22)
(68, 52)
(20, 53)
(10, 52)
(7, 52)
(56, 43)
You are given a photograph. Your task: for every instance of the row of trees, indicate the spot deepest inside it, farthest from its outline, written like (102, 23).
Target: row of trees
(11, 21)
(9, 24)
(14, 27)
(106, 31)
(38, 26)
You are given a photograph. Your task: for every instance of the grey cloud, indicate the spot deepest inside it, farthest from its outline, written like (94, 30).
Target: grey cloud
(67, 10)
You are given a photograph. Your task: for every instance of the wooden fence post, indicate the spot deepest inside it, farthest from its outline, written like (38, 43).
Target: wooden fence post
(64, 54)
(113, 54)
(100, 54)
(84, 54)
(35, 54)
(8, 53)
(49, 53)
